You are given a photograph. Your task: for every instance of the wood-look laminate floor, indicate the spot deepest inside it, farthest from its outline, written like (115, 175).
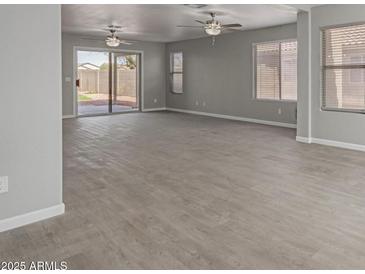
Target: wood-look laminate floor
(177, 191)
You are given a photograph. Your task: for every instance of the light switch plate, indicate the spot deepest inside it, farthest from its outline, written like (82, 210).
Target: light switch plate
(67, 79)
(4, 184)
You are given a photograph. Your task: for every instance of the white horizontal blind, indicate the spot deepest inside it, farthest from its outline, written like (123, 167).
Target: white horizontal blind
(343, 68)
(267, 70)
(276, 70)
(176, 72)
(289, 70)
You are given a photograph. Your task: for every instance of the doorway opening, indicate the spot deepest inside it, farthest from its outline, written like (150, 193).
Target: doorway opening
(107, 82)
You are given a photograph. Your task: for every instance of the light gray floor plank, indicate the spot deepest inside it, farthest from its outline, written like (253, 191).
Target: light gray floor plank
(177, 191)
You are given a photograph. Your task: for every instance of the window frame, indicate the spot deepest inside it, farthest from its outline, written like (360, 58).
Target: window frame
(323, 71)
(254, 57)
(172, 72)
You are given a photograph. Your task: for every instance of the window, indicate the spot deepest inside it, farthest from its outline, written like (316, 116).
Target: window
(343, 68)
(176, 72)
(276, 70)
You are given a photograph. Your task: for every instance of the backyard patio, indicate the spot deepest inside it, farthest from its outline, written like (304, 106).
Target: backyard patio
(91, 103)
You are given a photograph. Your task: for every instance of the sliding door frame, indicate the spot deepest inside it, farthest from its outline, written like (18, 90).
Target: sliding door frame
(140, 76)
(138, 73)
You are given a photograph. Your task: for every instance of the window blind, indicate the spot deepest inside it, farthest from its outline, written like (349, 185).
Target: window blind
(267, 71)
(343, 68)
(276, 70)
(176, 72)
(289, 70)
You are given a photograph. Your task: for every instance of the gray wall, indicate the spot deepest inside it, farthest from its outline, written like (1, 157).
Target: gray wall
(337, 126)
(30, 108)
(153, 69)
(303, 128)
(221, 76)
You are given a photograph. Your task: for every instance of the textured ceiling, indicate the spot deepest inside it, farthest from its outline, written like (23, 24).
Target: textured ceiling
(158, 22)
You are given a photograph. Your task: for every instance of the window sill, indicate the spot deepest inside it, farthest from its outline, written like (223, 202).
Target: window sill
(274, 100)
(354, 111)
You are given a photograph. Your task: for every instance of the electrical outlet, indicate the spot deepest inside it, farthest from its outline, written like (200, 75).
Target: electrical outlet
(279, 111)
(196, 103)
(155, 100)
(4, 186)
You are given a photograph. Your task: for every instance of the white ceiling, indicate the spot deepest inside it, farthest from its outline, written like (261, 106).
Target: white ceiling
(158, 22)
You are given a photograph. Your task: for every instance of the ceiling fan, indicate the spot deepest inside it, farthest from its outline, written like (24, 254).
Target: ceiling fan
(112, 40)
(213, 27)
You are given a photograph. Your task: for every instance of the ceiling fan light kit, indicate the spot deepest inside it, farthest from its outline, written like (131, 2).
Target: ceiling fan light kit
(213, 27)
(112, 42)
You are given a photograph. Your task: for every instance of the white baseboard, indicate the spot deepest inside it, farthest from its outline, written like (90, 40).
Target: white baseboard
(236, 118)
(153, 109)
(31, 217)
(332, 143)
(68, 116)
(301, 139)
(338, 144)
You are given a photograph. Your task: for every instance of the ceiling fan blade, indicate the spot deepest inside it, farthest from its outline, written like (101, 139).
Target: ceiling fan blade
(115, 30)
(113, 27)
(201, 22)
(92, 39)
(180, 26)
(125, 42)
(231, 29)
(232, 26)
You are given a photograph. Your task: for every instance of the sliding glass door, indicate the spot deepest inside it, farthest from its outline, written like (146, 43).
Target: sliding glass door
(107, 82)
(126, 82)
(92, 82)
